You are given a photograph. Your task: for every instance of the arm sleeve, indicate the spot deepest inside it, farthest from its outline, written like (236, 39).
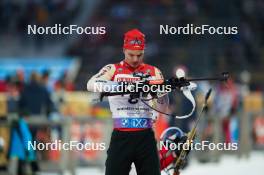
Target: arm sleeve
(101, 82)
(162, 102)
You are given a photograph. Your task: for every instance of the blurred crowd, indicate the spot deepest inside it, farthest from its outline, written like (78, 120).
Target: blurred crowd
(36, 98)
(15, 15)
(22, 94)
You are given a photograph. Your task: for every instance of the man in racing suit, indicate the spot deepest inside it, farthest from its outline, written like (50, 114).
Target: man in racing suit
(132, 139)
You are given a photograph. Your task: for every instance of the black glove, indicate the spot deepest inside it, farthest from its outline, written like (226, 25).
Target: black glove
(177, 82)
(141, 75)
(181, 144)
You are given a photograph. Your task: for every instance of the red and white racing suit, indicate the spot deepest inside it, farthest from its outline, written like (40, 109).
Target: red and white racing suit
(122, 110)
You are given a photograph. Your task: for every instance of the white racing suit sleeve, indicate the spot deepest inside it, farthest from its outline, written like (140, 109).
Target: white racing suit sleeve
(101, 82)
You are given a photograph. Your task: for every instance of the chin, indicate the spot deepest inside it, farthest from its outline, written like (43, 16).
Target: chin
(135, 65)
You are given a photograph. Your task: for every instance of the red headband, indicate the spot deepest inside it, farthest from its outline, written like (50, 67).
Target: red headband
(134, 40)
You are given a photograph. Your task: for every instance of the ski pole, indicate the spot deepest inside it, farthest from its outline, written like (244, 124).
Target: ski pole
(191, 135)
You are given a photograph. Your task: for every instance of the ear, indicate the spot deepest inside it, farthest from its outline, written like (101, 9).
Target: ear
(124, 50)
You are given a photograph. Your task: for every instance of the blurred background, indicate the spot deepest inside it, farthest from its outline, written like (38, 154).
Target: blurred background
(43, 79)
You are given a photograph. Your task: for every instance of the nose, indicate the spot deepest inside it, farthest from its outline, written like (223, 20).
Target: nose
(135, 58)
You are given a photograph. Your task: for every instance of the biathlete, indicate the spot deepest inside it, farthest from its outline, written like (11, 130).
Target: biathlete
(132, 139)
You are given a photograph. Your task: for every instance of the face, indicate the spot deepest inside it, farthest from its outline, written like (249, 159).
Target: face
(134, 57)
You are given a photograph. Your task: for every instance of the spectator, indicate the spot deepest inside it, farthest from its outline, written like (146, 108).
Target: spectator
(35, 99)
(226, 102)
(45, 80)
(3, 86)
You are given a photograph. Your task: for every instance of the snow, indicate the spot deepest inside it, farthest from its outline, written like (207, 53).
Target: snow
(228, 165)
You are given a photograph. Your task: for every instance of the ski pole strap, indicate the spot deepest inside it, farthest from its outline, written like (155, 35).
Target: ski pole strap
(186, 90)
(126, 122)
